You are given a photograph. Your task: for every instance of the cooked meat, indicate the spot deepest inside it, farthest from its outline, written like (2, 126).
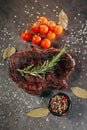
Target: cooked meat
(34, 85)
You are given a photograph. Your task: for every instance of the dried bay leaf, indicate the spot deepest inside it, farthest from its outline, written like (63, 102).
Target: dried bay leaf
(38, 112)
(63, 19)
(8, 52)
(79, 92)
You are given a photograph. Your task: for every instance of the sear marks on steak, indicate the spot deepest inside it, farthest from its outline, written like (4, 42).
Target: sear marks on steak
(34, 85)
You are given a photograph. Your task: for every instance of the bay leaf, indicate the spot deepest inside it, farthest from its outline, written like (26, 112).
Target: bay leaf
(38, 112)
(79, 92)
(8, 52)
(63, 19)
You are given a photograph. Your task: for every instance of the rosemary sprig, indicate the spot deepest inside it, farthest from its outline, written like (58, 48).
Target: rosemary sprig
(44, 68)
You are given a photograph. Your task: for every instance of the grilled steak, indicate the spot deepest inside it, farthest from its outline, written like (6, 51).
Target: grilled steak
(34, 85)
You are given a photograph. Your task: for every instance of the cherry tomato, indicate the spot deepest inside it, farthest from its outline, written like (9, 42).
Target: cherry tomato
(58, 29)
(51, 35)
(43, 20)
(35, 27)
(43, 29)
(46, 43)
(36, 39)
(51, 25)
(26, 35)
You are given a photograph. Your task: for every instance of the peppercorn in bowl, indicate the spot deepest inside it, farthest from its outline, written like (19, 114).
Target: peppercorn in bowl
(59, 104)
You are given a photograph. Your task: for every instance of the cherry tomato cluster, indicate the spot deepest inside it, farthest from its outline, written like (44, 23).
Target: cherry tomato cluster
(42, 32)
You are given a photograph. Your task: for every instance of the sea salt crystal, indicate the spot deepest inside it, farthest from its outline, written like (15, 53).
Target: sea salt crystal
(86, 74)
(37, 102)
(38, 13)
(23, 24)
(44, 13)
(80, 21)
(64, 127)
(47, 119)
(86, 42)
(27, 12)
(78, 14)
(57, 15)
(54, 10)
(37, 16)
(84, 58)
(32, 14)
(81, 76)
(15, 16)
(32, 7)
(46, 5)
(25, 6)
(56, 7)
(36, 1)
(80, 114)
(75, 18)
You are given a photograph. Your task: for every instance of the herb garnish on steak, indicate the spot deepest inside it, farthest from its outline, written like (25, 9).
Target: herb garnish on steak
(39, 70)
(35, 85)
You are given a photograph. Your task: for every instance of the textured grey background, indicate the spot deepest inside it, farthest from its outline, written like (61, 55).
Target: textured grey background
(14, 102)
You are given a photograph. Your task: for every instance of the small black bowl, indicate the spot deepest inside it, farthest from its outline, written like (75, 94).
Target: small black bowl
(60, 94)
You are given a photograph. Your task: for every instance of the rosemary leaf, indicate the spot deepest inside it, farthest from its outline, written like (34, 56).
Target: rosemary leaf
(28, 67)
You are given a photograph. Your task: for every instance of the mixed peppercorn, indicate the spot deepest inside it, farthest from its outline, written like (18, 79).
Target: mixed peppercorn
(42, 32)
(59, 104)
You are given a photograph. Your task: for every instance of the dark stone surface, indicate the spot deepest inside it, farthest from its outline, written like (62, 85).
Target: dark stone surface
(14, 102)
